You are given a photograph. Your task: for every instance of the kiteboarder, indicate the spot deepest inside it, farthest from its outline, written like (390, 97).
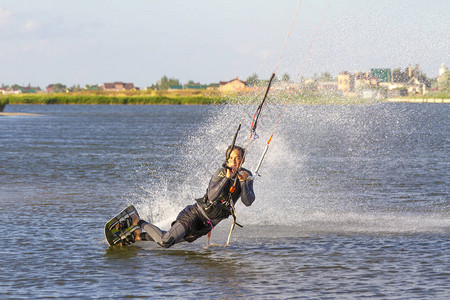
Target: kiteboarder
(227, 185)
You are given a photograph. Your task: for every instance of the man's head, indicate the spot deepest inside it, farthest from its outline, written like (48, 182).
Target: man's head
(235, 156)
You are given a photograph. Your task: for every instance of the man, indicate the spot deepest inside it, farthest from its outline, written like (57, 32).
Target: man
(225, 187)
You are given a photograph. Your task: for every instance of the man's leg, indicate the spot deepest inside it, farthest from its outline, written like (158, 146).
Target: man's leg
(140, 235)
(165, 239)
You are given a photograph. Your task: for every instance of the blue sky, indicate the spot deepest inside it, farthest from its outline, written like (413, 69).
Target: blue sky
(91, 42)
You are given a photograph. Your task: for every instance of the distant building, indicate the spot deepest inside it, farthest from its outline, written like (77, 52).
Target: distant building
(350, 83)
(443, 80)
(18, 90)
(92, 87)
(28, 90)
(393, 85)
(213, 86)
(383, 75)
(327, 86)
(234, 85)
(119, 86)
(56, 88)
(365, 80)
(442, 70)
(415, 86)
(187, 87)
(10, 92)
(194, 86)
(403, 83)
(175, 87)
(346, 82)
(50, 88)
(281, 86)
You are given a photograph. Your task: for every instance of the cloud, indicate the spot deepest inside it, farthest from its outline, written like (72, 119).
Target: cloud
(15, 27)
(30, 26)
(5, 17)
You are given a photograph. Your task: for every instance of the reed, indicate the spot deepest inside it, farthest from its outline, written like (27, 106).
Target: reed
(107, 99)
(3, 103)
(181, 97)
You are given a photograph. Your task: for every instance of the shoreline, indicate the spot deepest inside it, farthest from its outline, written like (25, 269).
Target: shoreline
(419, 100)
(17, 114)
(312, 102)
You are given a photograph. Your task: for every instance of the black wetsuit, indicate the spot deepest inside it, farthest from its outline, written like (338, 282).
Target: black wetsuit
(198, 219)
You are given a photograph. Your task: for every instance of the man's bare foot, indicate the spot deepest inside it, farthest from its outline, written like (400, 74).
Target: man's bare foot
(135, 219)
(137, 235)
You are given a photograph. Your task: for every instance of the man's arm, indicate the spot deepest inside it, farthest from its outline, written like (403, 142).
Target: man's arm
(247, 193)
(217, 184)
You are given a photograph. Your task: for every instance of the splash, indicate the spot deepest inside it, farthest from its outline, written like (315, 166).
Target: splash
(326, 170)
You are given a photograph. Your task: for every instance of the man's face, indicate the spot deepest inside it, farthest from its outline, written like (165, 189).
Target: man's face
(235, 159)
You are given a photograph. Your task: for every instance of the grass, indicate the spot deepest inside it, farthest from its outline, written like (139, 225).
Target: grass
(431, 95)
(178, 97)
(94, 98)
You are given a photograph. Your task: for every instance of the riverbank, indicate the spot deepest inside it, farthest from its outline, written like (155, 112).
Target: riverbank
(176, 98)
(193, 98)
(17, 114)
(81, 98)
(420, 100)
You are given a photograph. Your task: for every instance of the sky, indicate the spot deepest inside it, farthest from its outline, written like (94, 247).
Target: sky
(139, 41)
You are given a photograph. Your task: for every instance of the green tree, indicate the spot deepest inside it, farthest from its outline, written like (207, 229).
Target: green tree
(166, 82)
(424, 79)
(59, 88)
(310, 87)
(252, 80)
(286, 77)
(326, 76)
(444, 83)
(399, 76)
(192, 82)
(75, 88)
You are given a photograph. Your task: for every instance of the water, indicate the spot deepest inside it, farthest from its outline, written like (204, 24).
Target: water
(353, 202)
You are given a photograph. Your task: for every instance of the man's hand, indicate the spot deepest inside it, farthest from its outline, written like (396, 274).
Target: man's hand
(231, 171)
(243, 175)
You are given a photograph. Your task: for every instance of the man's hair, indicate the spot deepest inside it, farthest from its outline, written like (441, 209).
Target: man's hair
(229, 150)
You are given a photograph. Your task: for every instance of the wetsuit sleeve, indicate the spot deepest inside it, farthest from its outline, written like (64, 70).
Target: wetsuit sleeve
(247, 193)
(216, 185)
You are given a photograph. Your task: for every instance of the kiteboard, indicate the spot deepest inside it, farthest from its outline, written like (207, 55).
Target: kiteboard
(120, 229)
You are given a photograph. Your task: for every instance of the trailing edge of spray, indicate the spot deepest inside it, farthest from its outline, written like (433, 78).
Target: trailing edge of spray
(259, 109)
(253, 134)
(292, 87)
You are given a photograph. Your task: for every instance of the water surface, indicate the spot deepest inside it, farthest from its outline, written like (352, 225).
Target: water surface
(352, 202)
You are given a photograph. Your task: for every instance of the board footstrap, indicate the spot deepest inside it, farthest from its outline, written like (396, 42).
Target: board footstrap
(125, 236)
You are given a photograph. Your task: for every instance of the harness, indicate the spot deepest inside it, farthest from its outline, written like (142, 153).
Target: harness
(222, 207)
(218, 209)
